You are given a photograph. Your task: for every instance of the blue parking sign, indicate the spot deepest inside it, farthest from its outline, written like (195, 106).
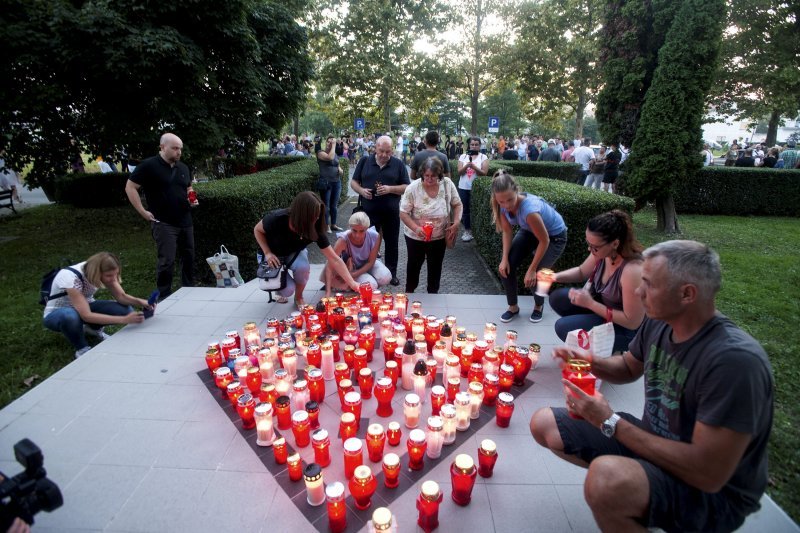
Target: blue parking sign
(494, 124)
(359, 124)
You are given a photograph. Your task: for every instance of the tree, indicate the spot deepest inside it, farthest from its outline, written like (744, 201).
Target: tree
(557, 53)
(102, 76)
(665, 151)
(759, 75)
(504, 102)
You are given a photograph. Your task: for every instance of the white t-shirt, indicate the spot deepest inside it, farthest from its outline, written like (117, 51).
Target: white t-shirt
(67, 279)
(465, 180)
(584, 156)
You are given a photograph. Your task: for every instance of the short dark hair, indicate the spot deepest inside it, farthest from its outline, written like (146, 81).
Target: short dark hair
(432, 138)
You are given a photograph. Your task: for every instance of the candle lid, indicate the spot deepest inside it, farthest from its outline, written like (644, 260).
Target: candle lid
(435, 422)
(353, 445)
(391, 459)
(391, 339)
(534, 347)
(382, 519)
(345, 384)
(394, 426)
(482, 345)
(454, 380)
(299, 416)
(476, 387)
(448, 410)
(384, 382)
(319, 434)
(375, 430)
(420, 369)
(267, 387)
(340, 367)
(315, 373)
(365, 372)
(246, 398)
(282, 401)
(334, 490)
(437, 390)
(348, 418)
(579, 365)
(234, 386)
(281, 373)
(412, 399)
(361, 352)
(232, 333)
(222, 371)
(352, 397)
(362, 472)
(312, 406)
(253, 370)
(464, 462)
(417, 436)
(430, 490)
(264, 409)
(462, 397)
(312, 472)
(294, 458)
(280, 441)
(242, 360)
(505, 397)
(288, 353)
(505, 367)
(488, 446)
(391, 364)
(300, 384)
(491, 378)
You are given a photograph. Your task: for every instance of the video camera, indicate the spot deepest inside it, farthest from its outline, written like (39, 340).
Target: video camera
(30, 491)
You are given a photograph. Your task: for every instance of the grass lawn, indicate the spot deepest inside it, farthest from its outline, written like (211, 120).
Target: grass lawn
(760, 293)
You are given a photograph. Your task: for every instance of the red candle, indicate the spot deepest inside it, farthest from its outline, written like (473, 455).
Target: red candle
(428, 506)
(353, 456)
(316, 385)
(506, 378)
(350, 335)
(389, 346)
(234, 335)
(349, 354)
(487, 457)
(268, 394)
(312, 408)
(301, 428)
(366, 342)
(283, 412)
(246, 406)
(580, 375)
(345, 386)
(479, 351)
(365, 383)
(453, 388)
(391, 470)
(491, 388)
(475, 373)
(427, 229)
(431, 332)
(522, 365)
(462, 475)
(376, 440)
(235, 390)
(314, 355)
(321, 443)
(253, 379)
(430, 364)
(437, 399)
(362, 487)
(337, 512)
(505, 408)
(365, 290)
(393, 433)
(352, 404)
(416, 445)
(341, 371)
(222, 378)
(337, 321)
(214, 359)
(392, 371)
(359, 360)
(466, 361)
(280, 450)
(384, 392)
(334, 338)
(456, 348)
(347, 426)
(295, 467)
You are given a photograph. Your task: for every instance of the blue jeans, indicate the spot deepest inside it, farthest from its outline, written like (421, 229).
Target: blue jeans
(330, 197)
(522, 246)
(576, 317)
(66, 320)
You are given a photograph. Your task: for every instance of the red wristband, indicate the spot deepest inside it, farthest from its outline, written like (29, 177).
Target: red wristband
(609, 314)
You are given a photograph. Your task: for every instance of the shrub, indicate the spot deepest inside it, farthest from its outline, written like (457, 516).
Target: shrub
(92, 189)
(568, 172)
(266, 162)
(575, 203)
(741, 191)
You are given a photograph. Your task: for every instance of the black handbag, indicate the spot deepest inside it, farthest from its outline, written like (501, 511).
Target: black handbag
(273, 278)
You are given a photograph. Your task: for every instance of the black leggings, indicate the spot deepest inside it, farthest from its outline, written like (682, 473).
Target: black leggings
(522, 246)
(418, 252)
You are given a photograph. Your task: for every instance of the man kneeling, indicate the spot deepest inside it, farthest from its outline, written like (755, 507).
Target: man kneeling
(697, 460)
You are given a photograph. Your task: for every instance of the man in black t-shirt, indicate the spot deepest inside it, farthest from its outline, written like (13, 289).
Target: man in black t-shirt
(697, 459)
(431, 142)
(167, 184)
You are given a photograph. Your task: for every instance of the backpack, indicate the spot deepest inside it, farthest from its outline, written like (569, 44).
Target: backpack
(47, 285)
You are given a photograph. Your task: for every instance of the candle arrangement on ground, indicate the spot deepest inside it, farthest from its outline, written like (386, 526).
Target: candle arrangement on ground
(278, 377)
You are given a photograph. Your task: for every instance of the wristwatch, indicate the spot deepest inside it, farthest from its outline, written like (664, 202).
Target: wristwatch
(610, 426)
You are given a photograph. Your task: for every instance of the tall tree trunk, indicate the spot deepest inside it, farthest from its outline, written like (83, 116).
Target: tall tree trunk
(387, 113)
(772, 129)
(667, 216)
(580, 110)
(475, 70)
(296, 124)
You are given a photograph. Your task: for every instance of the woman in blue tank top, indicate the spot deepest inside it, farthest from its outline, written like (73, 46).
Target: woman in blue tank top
(542, 232)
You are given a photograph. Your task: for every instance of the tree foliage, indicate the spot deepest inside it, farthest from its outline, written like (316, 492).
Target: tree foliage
(557, 52)
(759, 75)
(97, 76)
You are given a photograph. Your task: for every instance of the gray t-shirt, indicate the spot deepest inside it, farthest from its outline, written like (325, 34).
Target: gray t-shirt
(421, 157)
(720, 377)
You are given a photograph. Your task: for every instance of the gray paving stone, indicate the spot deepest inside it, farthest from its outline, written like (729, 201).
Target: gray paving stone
(527, 508)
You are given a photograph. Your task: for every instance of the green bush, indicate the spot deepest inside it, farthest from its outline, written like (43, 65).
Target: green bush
(741, 191)
(575, 203)
(568, 172)
(266, 162)
(92, 190)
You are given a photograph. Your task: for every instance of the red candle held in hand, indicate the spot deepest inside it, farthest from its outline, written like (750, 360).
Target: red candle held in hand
(427, 229)
(580, 375)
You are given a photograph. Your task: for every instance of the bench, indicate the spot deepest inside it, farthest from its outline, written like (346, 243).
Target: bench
(7, 200)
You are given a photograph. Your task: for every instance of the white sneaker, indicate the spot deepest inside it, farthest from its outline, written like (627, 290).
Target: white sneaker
(82, 351)
(99, 333)
(467, 236)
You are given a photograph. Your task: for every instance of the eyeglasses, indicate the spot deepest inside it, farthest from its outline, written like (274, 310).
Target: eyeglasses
(594, 248)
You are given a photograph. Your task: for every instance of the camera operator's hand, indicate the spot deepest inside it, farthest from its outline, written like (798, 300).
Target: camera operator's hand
(19, 526)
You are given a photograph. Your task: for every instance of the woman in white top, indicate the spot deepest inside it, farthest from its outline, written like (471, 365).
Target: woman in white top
(431, 202)
(470, 165)
(72, 309)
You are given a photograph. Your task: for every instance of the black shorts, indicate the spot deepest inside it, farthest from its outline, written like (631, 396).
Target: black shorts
(610, 177)
(674, 505)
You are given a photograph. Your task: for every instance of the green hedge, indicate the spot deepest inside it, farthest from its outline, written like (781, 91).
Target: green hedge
(229, 167)
(229, 209)
(92, 189)
(568, 172)
(577, 204)
(741, 191)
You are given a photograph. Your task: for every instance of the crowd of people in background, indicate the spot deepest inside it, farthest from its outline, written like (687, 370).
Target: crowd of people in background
(757, 155)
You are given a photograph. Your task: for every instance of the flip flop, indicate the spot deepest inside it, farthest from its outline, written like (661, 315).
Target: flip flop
(299, 303)
(282, 299)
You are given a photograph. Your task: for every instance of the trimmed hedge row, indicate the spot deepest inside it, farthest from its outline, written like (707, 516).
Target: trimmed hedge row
(741, 191)
(229, 209)
(229, 167)
(92, 189)
(577, 204)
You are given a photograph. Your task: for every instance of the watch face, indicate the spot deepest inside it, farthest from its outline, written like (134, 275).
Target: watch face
(607, 429)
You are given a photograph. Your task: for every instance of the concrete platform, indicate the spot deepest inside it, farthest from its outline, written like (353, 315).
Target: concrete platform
(137, 442)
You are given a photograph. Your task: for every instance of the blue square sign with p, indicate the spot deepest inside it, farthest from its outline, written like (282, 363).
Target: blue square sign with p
(359, 124)
(494, 124)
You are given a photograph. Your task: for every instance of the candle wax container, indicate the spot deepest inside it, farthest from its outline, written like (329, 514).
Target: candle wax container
(392, 371)
(352, 404)
(321, 443)
(534, 350)
(315, 488)
(214, 360)
(475, 399)
(246, 406)
(434, 437)
(437, 399)
(376, 440)
(544, 279)
(362, 487)
(345, 386)
(314, 356)
(235, 390)
(234, 335)
(479, 351)
(466, 361)
(365, 291)
(393, 433)
(349, 355)
(384, 392)
(462, 475)
(327, 360)
(268, 395)
(300, 394)
(359, 360)
(222, 378)
(522, 365)
(579, 374)
(365, 383)
(316, 385)
(337, 512)
(280, 450)
(475, 373)
(448, 414)
(382, 521)
(366, 342)
(283, 383)
(491, 388)
(411, 410)
(420, 379)
(312, 408)
(391, 470)
(353, 456)
(301, 428)
(463, 411)
(389, 346)
(283, 412)
(504, 409)
(266, 365)
(295, 467)
(506, 378)
(428, 506)
(430, 378)
(240, 366)
(347, 426)
(487, 457)
(265, 433)
(453, 388)
(341, 371)
(416, 445)
(289, 362)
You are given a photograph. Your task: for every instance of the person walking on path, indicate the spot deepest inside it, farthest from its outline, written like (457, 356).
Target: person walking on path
(330, 172)
(380, 180)
(431, 142)
(167, 184)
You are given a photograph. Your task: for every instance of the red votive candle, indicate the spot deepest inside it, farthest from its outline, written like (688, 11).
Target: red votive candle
(504, 409)
(214, 359)
(280, 450)
(353, 456)
(283, 412)
(253, 379)
(437, 399)
(366, 342)
(487, 457)
(392, 371)
(312, 408)
(393, 433)
(314, 356)
(391, 470)
(384, 392)
(268, 394)
(234, 335)
(491, 388)
(522, 365)
(362, 487)
(316, 385)
(301, 428)
(365, 383)
(462, 476)
(321, 443)
(506, 377)
(352, 404)
(428, 506)
(341, 371)
(246, 406)
(222, 378)
(453, 388)
(295, 467)
(365, 290)
(359, 360)
(337, 512)
(416, 449)
(235, 390)
(389, 346)
(345, 386)
(475, 373)
(347, 426)
(376, 440)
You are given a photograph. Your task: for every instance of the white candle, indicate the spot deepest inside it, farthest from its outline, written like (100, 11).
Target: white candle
(240, 366)
(382, 521)
(475, 399)
(439, 354)
(315, 488)
(266, 365)
(419, 387)
(327, 361)
(411, 410)
(434, 437)
(289, 359)
(301, 395)
(448, 413)
(463, 411)
(282, 382)
(544, 279)
(264, 430)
